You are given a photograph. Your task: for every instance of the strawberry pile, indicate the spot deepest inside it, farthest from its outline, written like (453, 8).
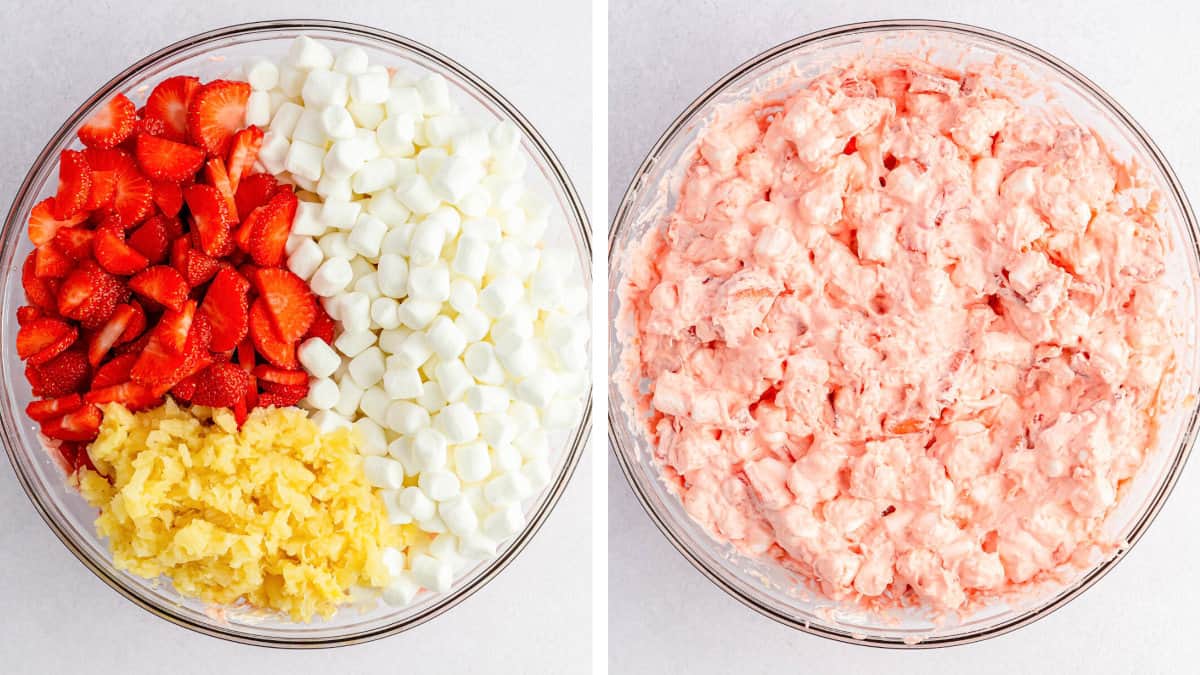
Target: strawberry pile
(158, 268)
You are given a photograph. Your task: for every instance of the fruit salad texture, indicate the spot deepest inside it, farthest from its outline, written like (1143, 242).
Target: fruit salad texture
(904, 335)
(313, 277)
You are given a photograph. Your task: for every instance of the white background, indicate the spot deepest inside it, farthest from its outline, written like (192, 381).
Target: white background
(664, 616)
(58, 618)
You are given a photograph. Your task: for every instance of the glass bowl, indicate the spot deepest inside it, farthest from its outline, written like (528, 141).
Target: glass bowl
(764, 585)
(211, 55)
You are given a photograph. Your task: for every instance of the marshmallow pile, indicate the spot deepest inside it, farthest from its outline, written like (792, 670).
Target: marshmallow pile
(461, 339)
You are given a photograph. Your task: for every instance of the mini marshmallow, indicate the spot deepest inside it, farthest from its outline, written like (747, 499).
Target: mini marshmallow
(505, 137)
(475, 203)
(562, 414)
(293, 242)
(417, 313)
(538, 389)
(524, 416)
(374, 442)
(395, 134)
(435, 94)
(305, 259)
(355, 313)
(351, 60)
(413, 351)
(504, 523)
(428, 449)
(367, 368)
(446, 340)
(506, 458)
(304, 160)
(345, 158)
(426, 244)
(520, 362)
(463, 295)
(322, 394)
(472, 461)
(431, 397)
(310, 129)
(326, 87)
(393, 275)
(367, 236)
(328, 421)
(473, 324)
(353, 343)
(472, 144)
(458, 515)
(475, 546)
(284, 121)
(385, 206)
(291, 80)
(574, 300)
(480, 359)
(365, 138)
(405, 417)
(483, 398)
(392, 558)
(510, 165)
(453, 378)
(336, 123)
(368, 284)
(471, 256)
(499, 297)
(432, 574)
(404, 100)
(497, 429)
(301, 183)
(432, 525)
(395, 514)
(403, 383)
(384, 472)
(538, 473)
(507, 488)
(401, 590)
(367, 115)
(274, 152)
(308, 220)
(413, 500)
(416, 194)
(306, 53)
(444, 547)
(430, 161)
(340, 214)
(374, 404)
(370, 87)
(331, 277)
(349, 397)
(457, 178)
(458, 423)
(262, 75)
(258, 109)
(375, 175)
(439, 485)
(484, 229)
(385, 312)
(334, 187)
(317, 357)
(429, 283)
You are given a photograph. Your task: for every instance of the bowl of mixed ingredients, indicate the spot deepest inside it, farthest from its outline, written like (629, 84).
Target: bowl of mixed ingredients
(295, 332)
(904, 333)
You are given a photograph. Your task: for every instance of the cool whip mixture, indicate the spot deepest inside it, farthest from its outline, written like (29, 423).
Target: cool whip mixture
(902, 335)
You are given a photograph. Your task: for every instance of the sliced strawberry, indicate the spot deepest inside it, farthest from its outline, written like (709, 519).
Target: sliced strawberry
(290, 302)
(109, 125)
(253, 191)
(196, 267)
(90, 295)
(151, 240)
(42, 339)
(42, 293)
(61, 375)
(74, 184)
(268, 373)
(216, 112)
(137, 323)
(137, 346)
(148, 126)
(169, 103)
(133, 196)
(269, 235)
(76, 242)
(43, 225)
(104, 188)
(216, 175)
(243, 152)
(284, 394)
(322, 326)
(227, 307)
(168, 197)
(110, 334)
(241, 412)
(115, 255)
(115, 371)
(220, 385)
(245, 354)
(160, 369)
(174, 327)
(210, 218)
(266, 341)
(27, 314)
(53, 407)
(162, 284)
(132, 395)
(162, 159)
(51, 262)
(78, 425)
(185, 389)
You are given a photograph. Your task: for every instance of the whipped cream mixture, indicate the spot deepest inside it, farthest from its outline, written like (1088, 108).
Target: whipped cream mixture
(902, 335)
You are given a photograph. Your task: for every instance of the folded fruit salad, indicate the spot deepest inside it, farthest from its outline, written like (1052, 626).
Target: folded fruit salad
(297, 334)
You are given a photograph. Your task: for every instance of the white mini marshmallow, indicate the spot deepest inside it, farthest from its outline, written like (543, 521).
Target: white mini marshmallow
(498, 430)
(304, 160)
(384, 472)
(326, 87)
(369, 284)
(352, 343)
(472, 461)
(453, 378)
(355, 313)
(458, 515)
(458, 177)
(425, 246)
(308, 220)
(538, 473)
(375, 175)
(350, 395)
(262, 75)
(446, 340)
(413, 351)
(416, 313)
(506, 458)
(562, 413)
(507, 488)
(458, 423)
(334, 245)
(432, 574)
(367, 236)
(351, 60)
(395, 134)
(403, 383)
(435, 94)
(484, 229)
(334, 187)
(432, 525)
(401, 590)
(404, 100)
(472, 144)
(405, 417)
(306, 53)
(374, 404)
(439, 485)
(473, 324)
(328, 421)
(336, 123)
(521, 362)
(471, 256)
(309, 128)
(317, 357)
(413, 500)
(393, 275)
(416, 194)
(374, 441)
(367, 368)
(500, 296)
(331, 277)
(305, 259)
(370, 87)
(367, 115)
(345, 158)
(322, 394)
(504, 523)
(284, 121)
(484, 398)
(429, 282)
(480, 359)
(539, 388)
(505, 137)
(431, 397)
(429, 450)
(385, 206)
(385, 312)
(476, 546)
(258, 109)
(396, 515)
(340, 214)
(274, 152)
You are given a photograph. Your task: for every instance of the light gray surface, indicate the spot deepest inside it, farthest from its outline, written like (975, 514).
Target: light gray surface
(58, 618)
(664, 616)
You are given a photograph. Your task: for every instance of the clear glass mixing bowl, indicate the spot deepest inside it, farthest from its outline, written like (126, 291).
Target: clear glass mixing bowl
(208, 56)
(765, 586)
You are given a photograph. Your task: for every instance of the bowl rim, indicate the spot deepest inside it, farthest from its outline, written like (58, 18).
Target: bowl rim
(715, 573)
(577, 438)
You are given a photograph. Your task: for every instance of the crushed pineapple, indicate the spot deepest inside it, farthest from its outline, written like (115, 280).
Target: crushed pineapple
(275, 514)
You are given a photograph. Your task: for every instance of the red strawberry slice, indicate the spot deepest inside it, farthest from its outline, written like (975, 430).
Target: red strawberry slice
(322, 326)
(216, 112)
(104, 339)
(195, 358)
(269, 235)
(243, 153)
(291, 304)
(78, 425)
(164, 285)
(104, 188)
(137, 323)
(42, 293)
(215, 174)
(169, 103)
(115, 255)
(220, 385)
(253, 191)
(76, 242)
(266, 341)
(210, 218)
(132, 395)
(43, 225)
(74, 184)
(195, 267)
(110, 125)
(136, 346)
(227, 307)
(168, 197)
(174, 327)
(185, 389)
(27, 314)
(245, 354)
(148, 126)
(116, 371)
(51, 262)
(90, 295)
(280, 376)
(133, 196)
(43, 339)
(151, 239)
(50, 408)
(59, 376)
(162, 159)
